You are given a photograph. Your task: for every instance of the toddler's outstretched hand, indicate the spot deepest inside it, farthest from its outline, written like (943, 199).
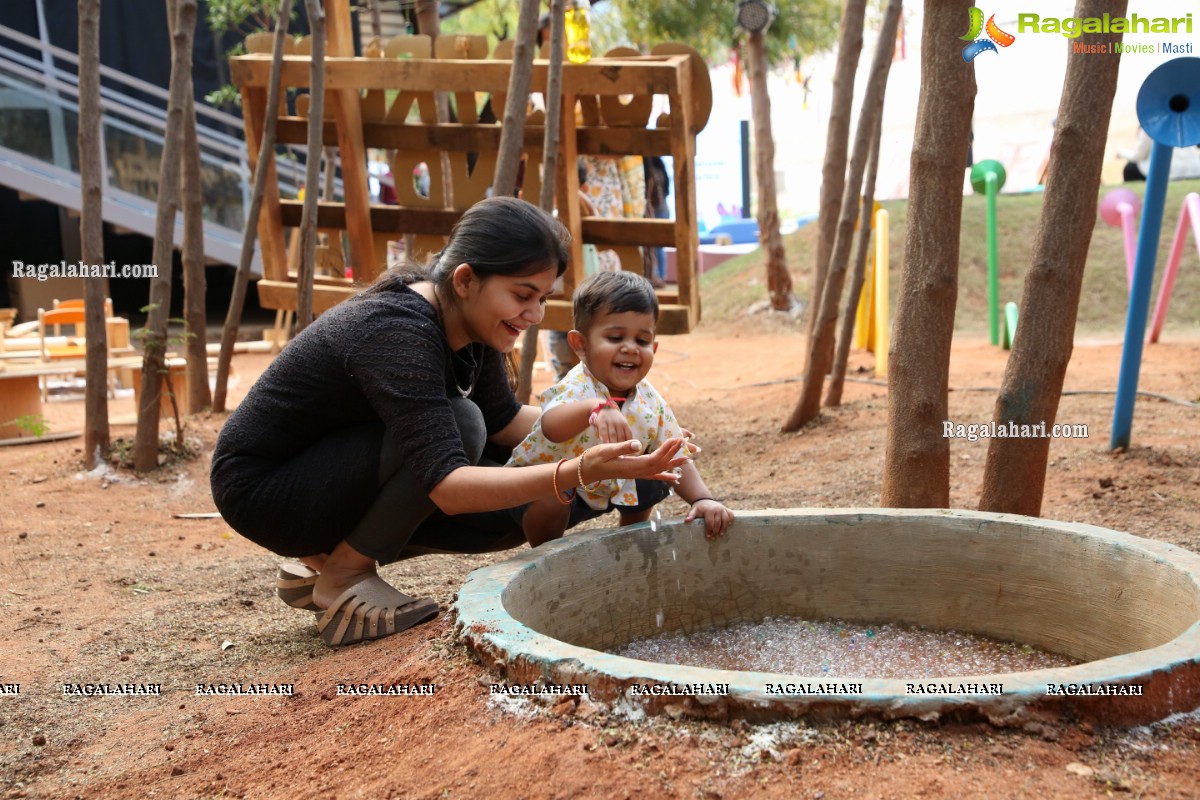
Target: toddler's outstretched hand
(717, 518)
(611, 426)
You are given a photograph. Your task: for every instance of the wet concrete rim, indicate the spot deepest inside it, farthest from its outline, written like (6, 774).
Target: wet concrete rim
(1169, 673)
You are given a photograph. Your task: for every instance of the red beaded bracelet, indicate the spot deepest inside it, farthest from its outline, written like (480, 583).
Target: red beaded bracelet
(603, 404)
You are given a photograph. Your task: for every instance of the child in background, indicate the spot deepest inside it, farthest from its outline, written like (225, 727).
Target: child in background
(605, 398)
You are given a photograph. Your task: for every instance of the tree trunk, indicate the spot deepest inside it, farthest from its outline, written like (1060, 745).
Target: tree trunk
(429, 22)
(145, 448)
(866, 221)
(312, 175)
(779, 281)
(194, 289)
(512, 131)
(91, 230)
(376, 21)
(266, 152)
(820, 345)
(550, 168)
(833, 173)
(1015, 471)
(916, 471)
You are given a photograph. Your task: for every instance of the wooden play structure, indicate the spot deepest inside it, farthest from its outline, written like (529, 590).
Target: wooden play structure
(370, 102)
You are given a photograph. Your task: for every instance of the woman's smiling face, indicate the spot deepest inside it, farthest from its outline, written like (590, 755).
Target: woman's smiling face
(618, 349)
(497, 309)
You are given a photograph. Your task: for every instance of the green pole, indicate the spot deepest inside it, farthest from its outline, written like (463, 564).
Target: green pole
(987, 178)
(993, 270)
(1010, 324)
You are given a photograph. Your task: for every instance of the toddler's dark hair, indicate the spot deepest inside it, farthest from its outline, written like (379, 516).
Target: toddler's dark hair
(612, 293)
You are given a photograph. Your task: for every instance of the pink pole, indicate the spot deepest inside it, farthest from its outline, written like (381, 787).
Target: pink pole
(1191, 209)
(1127, 213)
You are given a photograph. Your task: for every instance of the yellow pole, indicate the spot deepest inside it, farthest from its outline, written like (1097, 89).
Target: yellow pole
(863, 316)
(881, 292)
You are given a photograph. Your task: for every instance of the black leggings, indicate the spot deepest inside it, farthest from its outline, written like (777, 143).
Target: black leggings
(353, 486)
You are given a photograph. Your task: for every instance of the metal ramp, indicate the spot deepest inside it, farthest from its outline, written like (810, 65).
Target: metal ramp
(39, 118)
(35, 178)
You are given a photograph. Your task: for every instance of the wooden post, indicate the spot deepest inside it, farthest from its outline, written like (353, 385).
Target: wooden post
(270, 225)
(916, 466)
(833, 172)
(779, 280)
(145, 449)
(683, 147)
(821, 344)
(512, 132)
(833, 397)
(312, 174)
(260, 147)
(347, 111)
(194, 288)
(91, 229)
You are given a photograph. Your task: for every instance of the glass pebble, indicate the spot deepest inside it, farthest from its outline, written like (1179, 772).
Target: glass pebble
(831, 647)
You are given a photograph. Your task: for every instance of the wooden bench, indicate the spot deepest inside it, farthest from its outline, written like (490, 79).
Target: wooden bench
(179, 380)
(21, 395)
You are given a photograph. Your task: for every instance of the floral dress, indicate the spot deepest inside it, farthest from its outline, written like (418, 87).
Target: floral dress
(616, 188)
(648, 415)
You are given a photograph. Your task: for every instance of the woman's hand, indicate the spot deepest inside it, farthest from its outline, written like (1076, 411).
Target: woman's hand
(624, 460)
(717, 518)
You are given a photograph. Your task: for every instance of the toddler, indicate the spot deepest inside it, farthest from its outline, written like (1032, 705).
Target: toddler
(606, 398)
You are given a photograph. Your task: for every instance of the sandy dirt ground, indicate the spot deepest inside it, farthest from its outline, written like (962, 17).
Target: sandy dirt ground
(101, 583)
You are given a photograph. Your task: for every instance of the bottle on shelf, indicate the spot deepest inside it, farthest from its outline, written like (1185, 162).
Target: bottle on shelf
(578, 32)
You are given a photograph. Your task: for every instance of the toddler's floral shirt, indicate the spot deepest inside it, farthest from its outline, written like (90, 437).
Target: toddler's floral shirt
(648, 415)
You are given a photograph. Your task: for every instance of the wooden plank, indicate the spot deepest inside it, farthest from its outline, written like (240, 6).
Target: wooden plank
(567, 192)
(439, 221)
(66, 366)
(347, 112)
(648, 75)
(673, 319)
(384, 219)
(270, 229)
(614, 232)
(687, 237)
(282, 295)
(605, 141)
(483, 138)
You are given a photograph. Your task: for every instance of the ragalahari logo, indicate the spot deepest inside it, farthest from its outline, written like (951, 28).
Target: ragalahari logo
(977, 45)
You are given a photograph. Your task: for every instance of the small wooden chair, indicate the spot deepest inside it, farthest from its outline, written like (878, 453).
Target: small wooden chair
(78, 302)
(75, 346)
(56, 319)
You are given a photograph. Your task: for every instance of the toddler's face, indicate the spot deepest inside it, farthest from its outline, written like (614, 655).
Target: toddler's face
(619, 349)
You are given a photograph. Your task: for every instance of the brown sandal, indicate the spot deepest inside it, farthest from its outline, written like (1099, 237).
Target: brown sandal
(372, 609)
(294, 586)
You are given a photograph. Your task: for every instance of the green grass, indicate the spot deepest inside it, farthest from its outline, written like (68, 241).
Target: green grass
(729, 289)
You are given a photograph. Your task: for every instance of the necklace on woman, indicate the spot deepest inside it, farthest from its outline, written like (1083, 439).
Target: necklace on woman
(469, 360)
